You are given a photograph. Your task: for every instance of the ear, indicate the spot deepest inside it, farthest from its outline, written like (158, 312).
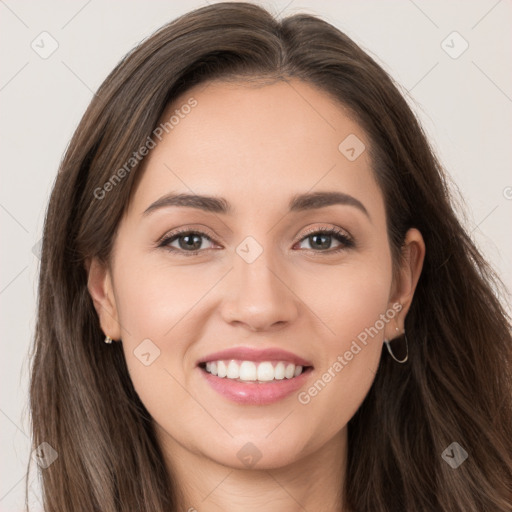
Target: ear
(101, 290)
(413, 255)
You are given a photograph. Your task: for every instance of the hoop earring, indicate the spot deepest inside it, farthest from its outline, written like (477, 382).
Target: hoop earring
(108, 339)
(401, 361)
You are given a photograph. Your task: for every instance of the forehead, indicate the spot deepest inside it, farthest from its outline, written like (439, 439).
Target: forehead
(256, 145)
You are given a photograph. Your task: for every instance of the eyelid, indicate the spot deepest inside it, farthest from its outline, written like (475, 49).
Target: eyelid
(203, 231)
(316, 229)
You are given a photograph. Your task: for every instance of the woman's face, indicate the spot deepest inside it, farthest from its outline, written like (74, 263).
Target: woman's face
(258, 279)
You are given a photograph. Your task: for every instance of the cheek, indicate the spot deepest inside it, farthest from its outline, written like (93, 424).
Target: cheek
(161, 308)
(152, 305)
(349, 298)
(359, 306)
(155, 296)
(153, 314)
(357, 311)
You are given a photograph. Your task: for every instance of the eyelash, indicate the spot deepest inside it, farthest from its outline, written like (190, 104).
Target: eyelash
(346, 241)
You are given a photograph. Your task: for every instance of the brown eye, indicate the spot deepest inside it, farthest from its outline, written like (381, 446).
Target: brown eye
(185, 242)
(321, 240)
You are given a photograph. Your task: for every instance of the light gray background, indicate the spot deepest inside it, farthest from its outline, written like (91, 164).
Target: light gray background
(464, 103)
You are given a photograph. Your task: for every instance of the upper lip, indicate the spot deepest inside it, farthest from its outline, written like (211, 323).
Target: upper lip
(256, 355)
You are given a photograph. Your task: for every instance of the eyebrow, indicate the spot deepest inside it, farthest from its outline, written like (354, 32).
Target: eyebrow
(298, 203)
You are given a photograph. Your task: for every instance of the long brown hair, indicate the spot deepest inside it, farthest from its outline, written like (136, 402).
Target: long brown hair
(456, 386)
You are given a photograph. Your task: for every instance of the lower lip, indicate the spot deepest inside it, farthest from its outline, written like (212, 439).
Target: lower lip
(255, 393)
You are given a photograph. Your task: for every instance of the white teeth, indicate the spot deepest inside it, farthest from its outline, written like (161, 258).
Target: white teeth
(233, 370)
(265, 372)
(221, 369)
(251, 371)
(248, 371)
(279, 371)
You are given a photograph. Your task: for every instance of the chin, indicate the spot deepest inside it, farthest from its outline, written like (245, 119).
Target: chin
(257, 454)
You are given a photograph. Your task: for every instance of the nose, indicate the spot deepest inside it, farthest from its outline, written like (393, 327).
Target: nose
(258, 296)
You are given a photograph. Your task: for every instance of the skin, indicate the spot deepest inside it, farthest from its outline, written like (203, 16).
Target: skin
(256, 146)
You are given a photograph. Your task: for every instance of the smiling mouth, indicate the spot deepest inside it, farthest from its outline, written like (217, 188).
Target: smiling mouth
(254, 372)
